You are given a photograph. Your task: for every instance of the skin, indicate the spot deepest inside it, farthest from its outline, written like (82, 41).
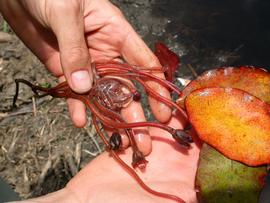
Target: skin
(93, 30)
(170, 169)
(67, 35)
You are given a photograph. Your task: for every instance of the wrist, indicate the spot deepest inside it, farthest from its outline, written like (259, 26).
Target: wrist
(63, 196)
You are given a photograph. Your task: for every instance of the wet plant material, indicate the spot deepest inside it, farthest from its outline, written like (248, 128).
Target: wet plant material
(228, 108)
(233, 104)
(110, 93)
(223, 180)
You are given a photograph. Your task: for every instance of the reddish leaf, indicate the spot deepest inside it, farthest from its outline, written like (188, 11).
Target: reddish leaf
(168, 59)
(234, 122)
(256, 81)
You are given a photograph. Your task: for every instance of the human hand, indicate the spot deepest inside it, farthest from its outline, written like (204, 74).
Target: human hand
(67, 35)
(171, 169)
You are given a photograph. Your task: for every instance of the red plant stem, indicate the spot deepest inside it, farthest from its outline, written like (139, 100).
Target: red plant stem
(130, 86)
(111, 123)
(161, 81)
(159, 97)
(152, 92)
(100, 133)
(119, 68)
(67, 92)
(131, 171)
(149, 90)
(116, 116)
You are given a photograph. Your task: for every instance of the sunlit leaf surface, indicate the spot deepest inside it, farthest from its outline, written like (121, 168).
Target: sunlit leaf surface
(233, 121)
(256, 81)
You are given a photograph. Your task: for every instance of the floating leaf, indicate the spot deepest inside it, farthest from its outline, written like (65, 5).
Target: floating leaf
(222, 180)
(232, 121)
(256, 81)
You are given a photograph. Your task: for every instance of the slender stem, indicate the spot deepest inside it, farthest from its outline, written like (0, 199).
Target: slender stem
(148, 76)
(63, 90)
(131, 171)
(116, 116)
(111, 123)
(161, 98)
(125, 67)
(101, 135)
(32, 86)
(150, 90)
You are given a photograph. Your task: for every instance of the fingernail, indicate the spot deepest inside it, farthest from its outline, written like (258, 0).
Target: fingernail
(81, 81)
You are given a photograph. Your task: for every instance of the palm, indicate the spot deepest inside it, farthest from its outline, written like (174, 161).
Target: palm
(108, 36)
(170, 169)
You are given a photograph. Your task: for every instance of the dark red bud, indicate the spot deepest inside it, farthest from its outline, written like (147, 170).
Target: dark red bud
(115, 141)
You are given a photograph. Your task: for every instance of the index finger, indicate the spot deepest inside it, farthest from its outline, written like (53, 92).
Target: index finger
(136, 52)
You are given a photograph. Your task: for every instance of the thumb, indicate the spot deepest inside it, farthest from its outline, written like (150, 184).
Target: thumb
(68, 26)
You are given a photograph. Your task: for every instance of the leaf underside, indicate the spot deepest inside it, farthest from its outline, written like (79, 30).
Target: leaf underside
(234, 122)
(168, 59)
(226, 181)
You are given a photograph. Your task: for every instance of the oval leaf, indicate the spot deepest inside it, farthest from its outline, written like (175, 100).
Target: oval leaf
(256, 81)
(223, 180)
(232, 121)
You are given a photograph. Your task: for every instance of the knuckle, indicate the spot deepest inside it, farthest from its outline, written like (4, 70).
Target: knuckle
(64, 5)
(76, 55)
(57, 9)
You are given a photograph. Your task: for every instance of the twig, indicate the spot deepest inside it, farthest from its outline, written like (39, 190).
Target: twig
(5, 37)
(4, 150)
(91, 134)
(42, 131)
(195, 74)
(45, 169)
(5, 26)
(34, 106)
(26, 184)
(14, 140)
(72, 166)
(25, 109)
(91, 153)
(78, 153)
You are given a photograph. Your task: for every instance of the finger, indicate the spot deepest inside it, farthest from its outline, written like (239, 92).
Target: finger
(77, 112)
(136, 52)
(74, 54)
(32, 32)
(134, 113)
(131, 114)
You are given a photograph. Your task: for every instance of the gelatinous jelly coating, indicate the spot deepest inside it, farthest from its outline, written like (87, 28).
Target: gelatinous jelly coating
(111, 93)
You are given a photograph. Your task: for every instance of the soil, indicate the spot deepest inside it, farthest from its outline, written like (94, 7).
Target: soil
(41, 149)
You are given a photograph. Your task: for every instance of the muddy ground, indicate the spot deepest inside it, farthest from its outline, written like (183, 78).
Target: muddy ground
(40, 150)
